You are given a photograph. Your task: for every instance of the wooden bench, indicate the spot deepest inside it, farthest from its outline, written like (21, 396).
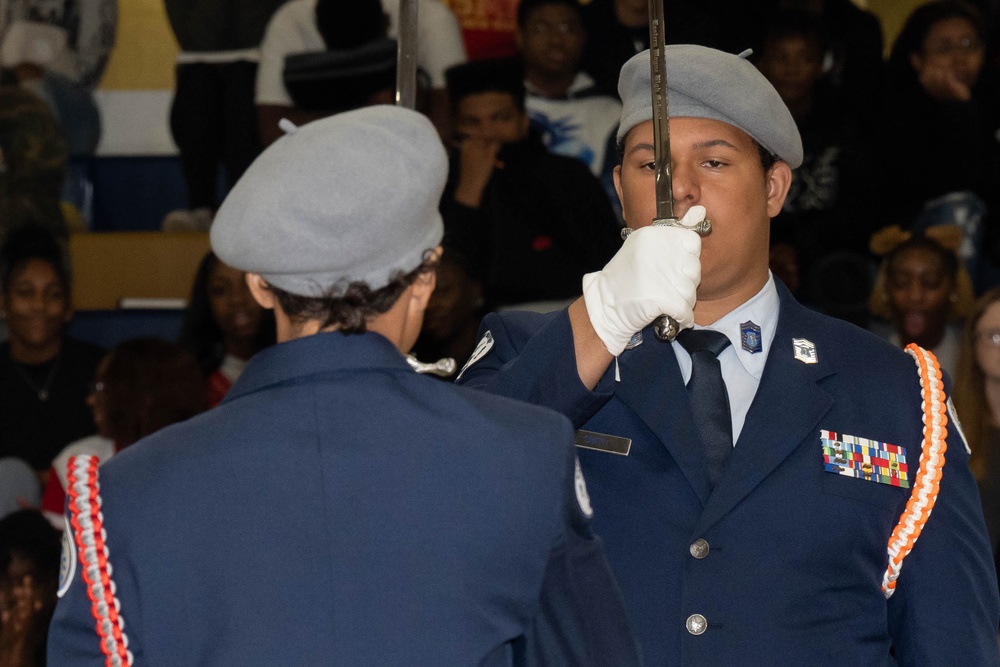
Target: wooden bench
(109, 267)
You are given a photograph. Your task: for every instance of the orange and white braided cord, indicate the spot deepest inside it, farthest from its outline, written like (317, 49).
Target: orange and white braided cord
(928, 479)
(91, 541)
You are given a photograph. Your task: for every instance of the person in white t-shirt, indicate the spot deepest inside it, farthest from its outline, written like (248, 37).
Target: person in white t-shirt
(294, 29)
(571, 115)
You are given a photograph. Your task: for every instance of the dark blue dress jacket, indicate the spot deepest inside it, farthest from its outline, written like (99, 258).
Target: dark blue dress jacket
(339, 509)
(790, 568)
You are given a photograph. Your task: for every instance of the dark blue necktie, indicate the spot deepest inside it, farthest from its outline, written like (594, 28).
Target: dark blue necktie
(709, 399)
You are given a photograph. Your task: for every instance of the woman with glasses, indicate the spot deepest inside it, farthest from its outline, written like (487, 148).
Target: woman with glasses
(141, 386)
(937, 147)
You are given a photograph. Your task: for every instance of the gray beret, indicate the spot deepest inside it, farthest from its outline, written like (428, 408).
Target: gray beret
(352, 197)
(706, 83)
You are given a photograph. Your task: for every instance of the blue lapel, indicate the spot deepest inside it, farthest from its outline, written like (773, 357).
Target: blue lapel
(652, 388)
(786, 411)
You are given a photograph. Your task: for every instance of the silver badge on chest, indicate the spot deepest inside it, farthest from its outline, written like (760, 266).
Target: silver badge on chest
(805, 351)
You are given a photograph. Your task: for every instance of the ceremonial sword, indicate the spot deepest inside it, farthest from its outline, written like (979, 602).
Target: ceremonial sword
(665, 327)
(406, 96)
(406, 55)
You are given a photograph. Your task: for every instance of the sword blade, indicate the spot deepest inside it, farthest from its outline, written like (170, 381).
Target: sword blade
(406, 55)
(661, 113)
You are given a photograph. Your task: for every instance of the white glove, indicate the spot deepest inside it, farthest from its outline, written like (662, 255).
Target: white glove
(656, 272)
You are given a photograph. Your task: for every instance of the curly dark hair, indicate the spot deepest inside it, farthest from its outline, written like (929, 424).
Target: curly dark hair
(354, 304)
(200, 335)
(526, 7)
(149, 383)
(790, 23)
(31, 242)
(949, 260)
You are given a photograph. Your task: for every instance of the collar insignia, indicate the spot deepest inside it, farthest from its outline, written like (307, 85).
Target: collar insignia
(750, 337)
(482, 349)
(805, 351)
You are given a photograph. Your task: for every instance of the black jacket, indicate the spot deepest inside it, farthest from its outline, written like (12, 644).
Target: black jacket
(543, 222)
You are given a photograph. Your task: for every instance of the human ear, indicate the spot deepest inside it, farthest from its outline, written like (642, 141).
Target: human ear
(617, 177)
(422, 289)
(778, 181)
(260, 291)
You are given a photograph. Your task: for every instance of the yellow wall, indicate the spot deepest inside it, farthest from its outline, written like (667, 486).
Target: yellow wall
(145, 50)
(892, 14)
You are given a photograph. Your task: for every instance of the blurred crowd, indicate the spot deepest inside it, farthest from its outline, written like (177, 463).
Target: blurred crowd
(891, 222)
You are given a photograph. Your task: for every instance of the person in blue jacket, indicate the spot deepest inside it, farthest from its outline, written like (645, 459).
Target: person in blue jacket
(752, 493)
(338, 508)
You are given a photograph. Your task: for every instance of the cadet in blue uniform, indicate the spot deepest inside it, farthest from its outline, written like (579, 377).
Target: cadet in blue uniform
(337, 508)
(775, 551)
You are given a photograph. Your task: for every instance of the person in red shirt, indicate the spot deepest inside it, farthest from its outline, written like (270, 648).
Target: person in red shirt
(223, 326)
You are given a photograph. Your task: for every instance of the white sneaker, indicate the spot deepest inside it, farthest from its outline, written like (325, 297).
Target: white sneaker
(184, 220)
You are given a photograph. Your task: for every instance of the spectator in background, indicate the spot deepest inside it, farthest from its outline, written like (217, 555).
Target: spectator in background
(29, 574)
(529, 223)
(83, 29)
(922, 289)
(453, 313)
(141, 386)
(819, 217)
(357, 69)
(938, 126)
(302, 26)
(571, 116)
(213, 119)
(977, 401)
(852, 59)
(32, 163)
(223, 325)
(58, 50)
(619, 29)
(44, 374)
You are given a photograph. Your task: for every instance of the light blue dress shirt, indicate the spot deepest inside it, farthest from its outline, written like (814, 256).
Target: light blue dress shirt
(741, 369)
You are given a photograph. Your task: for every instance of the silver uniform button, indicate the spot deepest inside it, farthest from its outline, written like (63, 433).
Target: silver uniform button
(696, 624)
(699, 549)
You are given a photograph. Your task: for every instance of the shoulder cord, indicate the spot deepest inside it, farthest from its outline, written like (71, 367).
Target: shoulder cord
(87, 521)
(928, 479)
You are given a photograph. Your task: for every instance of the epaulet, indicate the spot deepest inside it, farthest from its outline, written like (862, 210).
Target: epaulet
(87, 522)
(928, 479)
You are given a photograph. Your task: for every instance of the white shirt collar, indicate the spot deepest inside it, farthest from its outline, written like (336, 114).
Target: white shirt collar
(762, 310)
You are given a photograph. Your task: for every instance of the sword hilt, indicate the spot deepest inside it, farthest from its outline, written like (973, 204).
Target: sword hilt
(666, 327)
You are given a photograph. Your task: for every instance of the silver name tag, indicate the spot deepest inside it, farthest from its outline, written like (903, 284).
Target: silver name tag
(602, 442)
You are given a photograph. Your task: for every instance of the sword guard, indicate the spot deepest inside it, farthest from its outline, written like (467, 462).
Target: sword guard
(703, 228)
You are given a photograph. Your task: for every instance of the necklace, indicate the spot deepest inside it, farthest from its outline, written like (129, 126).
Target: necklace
(43, 391)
